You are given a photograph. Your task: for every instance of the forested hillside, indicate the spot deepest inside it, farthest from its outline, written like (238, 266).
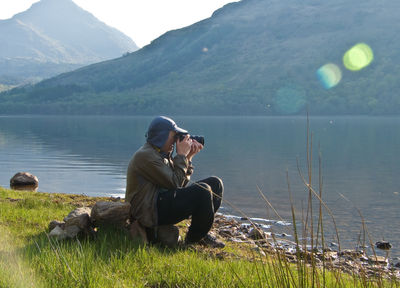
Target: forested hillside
(254, 57)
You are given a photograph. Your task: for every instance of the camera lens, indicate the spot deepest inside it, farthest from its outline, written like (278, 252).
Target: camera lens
(199, 139)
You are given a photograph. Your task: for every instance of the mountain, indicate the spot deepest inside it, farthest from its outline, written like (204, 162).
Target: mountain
(55, 36)
(253, 57)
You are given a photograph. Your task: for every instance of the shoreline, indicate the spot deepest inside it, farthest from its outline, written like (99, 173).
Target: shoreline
(239, 231)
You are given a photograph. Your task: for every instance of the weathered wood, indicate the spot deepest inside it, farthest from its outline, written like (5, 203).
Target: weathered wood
(110, 213)
(77, 222)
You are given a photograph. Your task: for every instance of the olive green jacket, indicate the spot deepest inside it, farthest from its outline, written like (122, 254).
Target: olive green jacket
(148, 173)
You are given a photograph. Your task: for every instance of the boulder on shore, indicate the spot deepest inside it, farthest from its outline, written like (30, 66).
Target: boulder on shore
(53, 224)
(77, 222)
(24, 179)
(58, 233)
(79, 217)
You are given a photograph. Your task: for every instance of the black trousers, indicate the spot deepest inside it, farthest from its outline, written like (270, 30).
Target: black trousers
(200, 200)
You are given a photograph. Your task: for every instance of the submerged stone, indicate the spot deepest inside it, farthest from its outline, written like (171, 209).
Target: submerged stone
(24, 181)
(384, 245)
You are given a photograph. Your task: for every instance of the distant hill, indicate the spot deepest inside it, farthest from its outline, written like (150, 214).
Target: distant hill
(254, 57)
(55, 36)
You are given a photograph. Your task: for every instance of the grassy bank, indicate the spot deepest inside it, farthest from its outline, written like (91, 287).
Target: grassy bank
(28, 258)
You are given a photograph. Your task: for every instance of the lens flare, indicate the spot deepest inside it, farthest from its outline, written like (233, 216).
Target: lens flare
(289, 99)
(358, 57)
(329, 75)
(13, 268)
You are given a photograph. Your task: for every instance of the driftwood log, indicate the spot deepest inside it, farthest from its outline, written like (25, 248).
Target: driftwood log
(110, 213)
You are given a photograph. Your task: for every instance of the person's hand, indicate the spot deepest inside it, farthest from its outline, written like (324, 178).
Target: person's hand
(184, 147)
(196, 147)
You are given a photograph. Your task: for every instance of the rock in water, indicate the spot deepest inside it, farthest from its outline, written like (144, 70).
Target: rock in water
(384, 245)
(24, 179)
(110, 213)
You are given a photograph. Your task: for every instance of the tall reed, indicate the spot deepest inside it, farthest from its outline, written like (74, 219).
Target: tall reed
(307, 272)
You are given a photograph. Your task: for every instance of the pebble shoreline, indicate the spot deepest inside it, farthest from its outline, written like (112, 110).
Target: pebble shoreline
(355, 262)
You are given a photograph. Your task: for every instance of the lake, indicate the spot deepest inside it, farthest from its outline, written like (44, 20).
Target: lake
(360, 159)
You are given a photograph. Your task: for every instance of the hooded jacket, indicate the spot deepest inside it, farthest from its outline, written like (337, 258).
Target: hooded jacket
(150, 172)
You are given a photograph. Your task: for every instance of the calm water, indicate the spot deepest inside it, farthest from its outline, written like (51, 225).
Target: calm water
(360, 160)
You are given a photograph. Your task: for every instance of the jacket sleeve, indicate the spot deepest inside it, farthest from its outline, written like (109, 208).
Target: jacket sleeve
(189, 173)
(157, 171)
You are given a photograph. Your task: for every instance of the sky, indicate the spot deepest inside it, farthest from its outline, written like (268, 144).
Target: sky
(142, 20)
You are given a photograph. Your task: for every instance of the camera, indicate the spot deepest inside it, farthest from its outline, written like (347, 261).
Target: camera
(199, 139)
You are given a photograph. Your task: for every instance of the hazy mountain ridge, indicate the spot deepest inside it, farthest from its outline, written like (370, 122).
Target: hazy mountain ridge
(58, 34)
(241, 61)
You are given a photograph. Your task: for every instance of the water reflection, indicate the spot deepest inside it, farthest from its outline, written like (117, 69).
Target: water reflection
(32, 188)
(89, 155)
(75, 155)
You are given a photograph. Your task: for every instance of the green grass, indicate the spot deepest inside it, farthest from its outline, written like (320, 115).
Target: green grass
(29, 258)
(111, 260)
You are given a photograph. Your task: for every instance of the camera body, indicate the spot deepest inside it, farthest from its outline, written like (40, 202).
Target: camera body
(199, 139)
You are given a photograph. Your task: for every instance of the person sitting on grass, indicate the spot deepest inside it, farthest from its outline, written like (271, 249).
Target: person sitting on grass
(158, 191)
